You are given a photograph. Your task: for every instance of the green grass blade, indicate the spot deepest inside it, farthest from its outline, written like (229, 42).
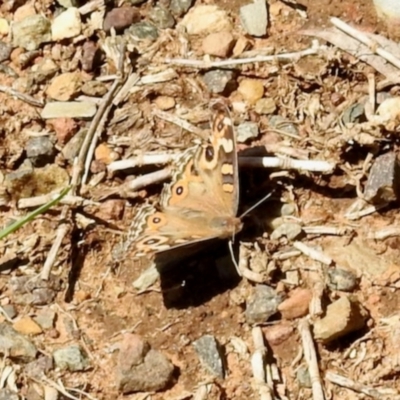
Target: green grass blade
(17, 224)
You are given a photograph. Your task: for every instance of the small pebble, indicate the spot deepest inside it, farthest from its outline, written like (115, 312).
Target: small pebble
(254, 18)
(40, 150)
(279, 333)
(342, 317)
(27, 326)
(66, 25)
(105, 154)
(209, 353)
(71, 109)
(45, 318)
(121, 18)
(278, 122)
(71, 358)
(65, 87)
(64, 128)
(303, 377)
(180, 7)
(265, 106)
(288, 209)
(296, 305)
(341, 279)
(5, 51)
(90, 56)
(164, 102)
(35, 369)
(111, 210)
(290, 230)
(141, 368)
(383, 184)
(262, 304)
(204, 19)
(31, 32)
(15, 344)
(4, 27)
(246, 131)
(218, 80)
(251, 90)
(218, 44)
(161, 17)
(354, 114)
(10, 310)
(94, 88)
(71, 149)
(143, 30)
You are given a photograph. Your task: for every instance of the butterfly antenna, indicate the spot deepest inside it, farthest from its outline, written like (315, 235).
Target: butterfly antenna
(255, 205)
(233, 257)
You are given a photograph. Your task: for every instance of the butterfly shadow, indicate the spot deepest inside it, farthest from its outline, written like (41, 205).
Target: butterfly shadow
(193, 275)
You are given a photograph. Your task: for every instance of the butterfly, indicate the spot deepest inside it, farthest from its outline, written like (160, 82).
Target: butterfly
(201, 202)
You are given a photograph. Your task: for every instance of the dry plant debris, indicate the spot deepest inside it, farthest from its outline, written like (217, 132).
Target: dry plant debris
(104, 97)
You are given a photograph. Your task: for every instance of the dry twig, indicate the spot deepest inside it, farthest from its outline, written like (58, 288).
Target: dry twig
(22, 96)
(310, 356)
(316, 48)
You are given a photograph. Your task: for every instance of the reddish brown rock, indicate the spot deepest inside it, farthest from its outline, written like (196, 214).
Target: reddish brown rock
(218, 44)
(65, 128)
(121, 18)
(296, 305)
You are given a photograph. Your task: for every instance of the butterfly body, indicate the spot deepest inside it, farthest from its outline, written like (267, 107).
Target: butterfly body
(201, 203)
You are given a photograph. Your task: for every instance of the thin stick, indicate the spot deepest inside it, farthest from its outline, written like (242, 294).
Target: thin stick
(356, 386)
(361, 37)
(144, 159)
(315, 49)
(310, 356)
(287, 163)
(326, 230)
(75, 201)
(313, 253)
(22, 96)
(384, 233)
(96, 127)
(258, 365)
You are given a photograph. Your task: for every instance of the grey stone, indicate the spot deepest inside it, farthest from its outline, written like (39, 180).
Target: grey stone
(69, 109)
(140, 368)
(218, 80)
(37, 369)
(354, 114)
(290, 230)
(5, 51)
(45, 318)
(341, 279)
(71, 358)
(40, 150)
(10, 310)
(246, 130)
(209, 353)
(278, 122)
(15, 345)
(180, 7)
(383, 180)
(31, 32)
(303, 377)
(71, 149)
(161, 17)
(288, 209)
(262, 305)
(254, 18)
(142, 30)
